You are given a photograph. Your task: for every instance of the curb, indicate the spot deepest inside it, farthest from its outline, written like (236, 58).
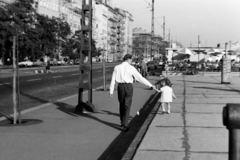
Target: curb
(127, 146)
(132, 149)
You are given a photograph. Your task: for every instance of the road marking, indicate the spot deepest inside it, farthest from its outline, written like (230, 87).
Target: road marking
(57, 77)
(75, 74)
(34, 80)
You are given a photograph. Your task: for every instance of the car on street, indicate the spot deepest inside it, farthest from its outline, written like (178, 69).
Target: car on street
(37, 63)
(53, 63)
(27, 63)
(61, 62)
(151, 65)
(134, 60)
(110, 60)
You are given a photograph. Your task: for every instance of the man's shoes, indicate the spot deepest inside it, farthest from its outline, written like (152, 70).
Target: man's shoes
(125, 129)
(168, 112)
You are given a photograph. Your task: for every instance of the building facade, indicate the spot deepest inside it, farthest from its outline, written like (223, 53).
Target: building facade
(146, 46)
(124, 33)
(112, 27)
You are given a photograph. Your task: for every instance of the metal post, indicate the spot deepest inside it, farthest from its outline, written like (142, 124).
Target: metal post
(231, 120)
(15, 85)
(104, 71)
(90, 54)
(86, 32)
(198, 49)
(152, 29)
(163, 27)
(18, 90)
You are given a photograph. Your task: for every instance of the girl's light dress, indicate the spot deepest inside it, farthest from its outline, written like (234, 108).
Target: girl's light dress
(166, 94)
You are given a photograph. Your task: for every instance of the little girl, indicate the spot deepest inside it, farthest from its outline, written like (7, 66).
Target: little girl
(166, 96)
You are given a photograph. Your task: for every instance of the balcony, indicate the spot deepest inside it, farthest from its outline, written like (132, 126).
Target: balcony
(114, 26)
(122, 22)
(113, 42)
(113, 19)
(122, 27)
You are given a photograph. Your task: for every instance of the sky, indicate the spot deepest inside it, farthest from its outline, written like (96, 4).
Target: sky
(213, 21)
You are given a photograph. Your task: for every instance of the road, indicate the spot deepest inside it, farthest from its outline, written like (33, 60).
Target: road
(36, 89)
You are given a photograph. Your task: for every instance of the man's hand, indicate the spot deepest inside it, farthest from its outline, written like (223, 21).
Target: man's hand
(110, 95)
(154, 87)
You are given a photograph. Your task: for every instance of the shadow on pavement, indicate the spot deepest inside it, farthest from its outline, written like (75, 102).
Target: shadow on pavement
(219, 89)
(199, 82)
(121, 143)
(70, 110)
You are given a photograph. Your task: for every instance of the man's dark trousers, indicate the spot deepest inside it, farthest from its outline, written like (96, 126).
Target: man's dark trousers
(125, 93)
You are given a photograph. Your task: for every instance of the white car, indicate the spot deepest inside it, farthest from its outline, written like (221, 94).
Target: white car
(25, 64)
(61, 62)
(110, 60)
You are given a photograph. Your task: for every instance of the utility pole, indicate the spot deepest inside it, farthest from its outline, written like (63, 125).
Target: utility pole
(86, 49)
(198, 48)
(169, 39)
(163, 27)
(16, 110)
(152, 30)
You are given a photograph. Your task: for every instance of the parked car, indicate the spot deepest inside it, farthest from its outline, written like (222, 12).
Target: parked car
(110, 60)
(38, 63)
(150, 65)
(25, 64)
(53, 63)
(134, 60)
(61, 62)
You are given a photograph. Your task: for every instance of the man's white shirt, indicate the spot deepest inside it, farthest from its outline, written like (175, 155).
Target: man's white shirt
(124, 73)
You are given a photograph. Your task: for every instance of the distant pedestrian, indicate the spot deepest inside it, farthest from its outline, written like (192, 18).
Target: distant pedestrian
(123, 74)
(166, 96)
(166, 68)
(144, 68)
(48, 66)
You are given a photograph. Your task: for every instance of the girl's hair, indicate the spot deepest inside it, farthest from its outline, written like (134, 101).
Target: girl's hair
(162, 82)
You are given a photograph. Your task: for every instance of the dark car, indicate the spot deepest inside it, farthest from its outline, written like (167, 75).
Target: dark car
(151, 65)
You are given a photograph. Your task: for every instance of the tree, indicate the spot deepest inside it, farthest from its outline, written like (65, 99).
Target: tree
(37, 34)
(73, 46)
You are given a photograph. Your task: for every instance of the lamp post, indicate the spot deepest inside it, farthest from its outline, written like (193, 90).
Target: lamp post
(198, 48)
(103, 63)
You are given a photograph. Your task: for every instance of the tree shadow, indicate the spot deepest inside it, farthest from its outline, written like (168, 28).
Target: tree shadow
(219, 89)
(70, 110)
(199, 82)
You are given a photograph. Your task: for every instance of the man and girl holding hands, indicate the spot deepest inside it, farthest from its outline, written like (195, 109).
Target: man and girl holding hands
(123, 74)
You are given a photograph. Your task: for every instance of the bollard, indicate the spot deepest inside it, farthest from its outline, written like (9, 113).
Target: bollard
(225, 70)
(231, 119)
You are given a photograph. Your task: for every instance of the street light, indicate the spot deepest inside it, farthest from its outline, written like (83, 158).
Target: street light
(103, 62)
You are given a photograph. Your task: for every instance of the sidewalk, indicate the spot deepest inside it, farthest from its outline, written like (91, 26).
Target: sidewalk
(61, 134)
(194, 129)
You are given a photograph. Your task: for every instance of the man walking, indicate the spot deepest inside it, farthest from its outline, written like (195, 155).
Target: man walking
(144, 68)
(123, 74)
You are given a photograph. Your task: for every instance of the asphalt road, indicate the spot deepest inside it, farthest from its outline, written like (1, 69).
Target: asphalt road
(36, 89)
